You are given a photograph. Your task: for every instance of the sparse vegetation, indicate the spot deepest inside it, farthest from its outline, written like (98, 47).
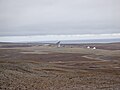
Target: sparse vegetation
(60, 69)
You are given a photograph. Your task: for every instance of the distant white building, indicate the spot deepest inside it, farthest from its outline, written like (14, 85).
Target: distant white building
(94, 47)
(88, 46)
(58, 45)
(46, 44)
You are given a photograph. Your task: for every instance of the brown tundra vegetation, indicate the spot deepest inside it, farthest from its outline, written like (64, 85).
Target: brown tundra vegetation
(38, 67)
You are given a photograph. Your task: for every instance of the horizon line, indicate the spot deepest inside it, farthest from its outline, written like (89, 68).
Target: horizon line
(33, 38)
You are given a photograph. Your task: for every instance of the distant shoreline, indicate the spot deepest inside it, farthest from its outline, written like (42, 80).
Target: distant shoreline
(86, 41)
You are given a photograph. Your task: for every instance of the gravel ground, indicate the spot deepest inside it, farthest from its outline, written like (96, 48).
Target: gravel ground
(58, 71)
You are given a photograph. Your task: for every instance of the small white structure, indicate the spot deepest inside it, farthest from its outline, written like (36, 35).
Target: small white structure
(58, 45)
(88, 46)
(46, 44)
(94, 47)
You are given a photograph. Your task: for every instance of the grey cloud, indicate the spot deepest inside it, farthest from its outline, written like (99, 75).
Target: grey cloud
(33, 17)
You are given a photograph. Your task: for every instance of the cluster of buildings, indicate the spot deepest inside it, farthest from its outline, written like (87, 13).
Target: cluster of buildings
(59, 45)
(91, 47)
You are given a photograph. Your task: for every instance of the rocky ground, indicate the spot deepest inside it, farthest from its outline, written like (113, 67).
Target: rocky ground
(58, 70)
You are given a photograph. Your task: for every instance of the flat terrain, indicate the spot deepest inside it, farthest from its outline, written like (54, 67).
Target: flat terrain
(70, 67)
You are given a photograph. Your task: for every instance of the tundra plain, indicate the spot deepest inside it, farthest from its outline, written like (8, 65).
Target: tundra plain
(70, 67)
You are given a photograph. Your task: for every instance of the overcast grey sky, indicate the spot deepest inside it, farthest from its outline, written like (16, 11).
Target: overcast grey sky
(39, 17)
